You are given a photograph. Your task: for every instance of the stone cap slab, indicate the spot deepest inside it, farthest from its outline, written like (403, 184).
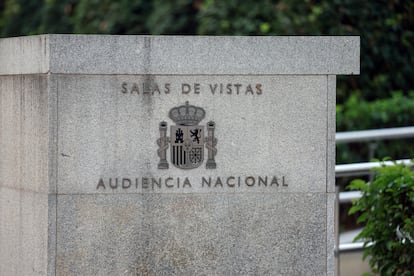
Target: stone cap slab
(180, 55)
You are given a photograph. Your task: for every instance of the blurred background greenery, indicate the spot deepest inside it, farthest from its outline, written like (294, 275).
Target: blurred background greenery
(382, 96)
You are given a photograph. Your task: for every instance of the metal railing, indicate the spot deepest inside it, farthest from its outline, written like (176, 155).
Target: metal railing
(374, 135)
(358, 169)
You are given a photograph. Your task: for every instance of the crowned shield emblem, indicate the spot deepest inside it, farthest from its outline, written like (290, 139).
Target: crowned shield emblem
(187, 146)
(187, 138)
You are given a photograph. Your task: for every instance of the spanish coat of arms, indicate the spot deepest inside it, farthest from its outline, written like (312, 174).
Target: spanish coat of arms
(187, 139)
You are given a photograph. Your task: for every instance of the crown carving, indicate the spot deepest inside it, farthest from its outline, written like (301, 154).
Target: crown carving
(187, 115)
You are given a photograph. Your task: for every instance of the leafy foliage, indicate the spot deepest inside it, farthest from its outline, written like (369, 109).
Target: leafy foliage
(111, 17)
(387, 210)
(358, 114)
(173, 17)
(20, 17)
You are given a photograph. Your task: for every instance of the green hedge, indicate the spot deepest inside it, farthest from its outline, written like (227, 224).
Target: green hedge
(357, 114)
